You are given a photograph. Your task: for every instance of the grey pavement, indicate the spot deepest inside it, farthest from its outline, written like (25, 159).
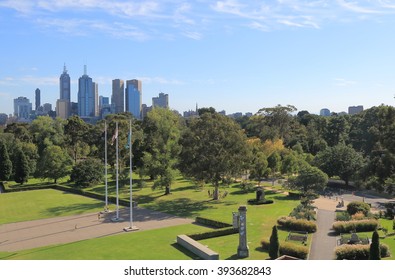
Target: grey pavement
(324, 240)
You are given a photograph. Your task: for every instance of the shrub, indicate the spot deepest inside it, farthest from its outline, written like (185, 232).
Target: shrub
(358, 252)
(374, 249)
(358, 216)
(288, 248)
(88, 172)
(260, 202)
(211, 223)
(303, 212)
(358, 206)
(355, 225)
(342, 216)
(213, 233)
(274, 246)
(291, 223)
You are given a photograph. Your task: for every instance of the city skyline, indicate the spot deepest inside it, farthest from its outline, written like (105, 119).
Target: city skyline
(237, 56)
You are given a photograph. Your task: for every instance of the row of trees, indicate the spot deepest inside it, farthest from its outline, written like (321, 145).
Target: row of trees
(211, 148)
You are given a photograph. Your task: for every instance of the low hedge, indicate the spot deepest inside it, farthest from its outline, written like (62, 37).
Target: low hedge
(355, 225)
(291, 223)
(358, 252)
(213, 233)
(260, 202)
(211, 223)
(290, 249)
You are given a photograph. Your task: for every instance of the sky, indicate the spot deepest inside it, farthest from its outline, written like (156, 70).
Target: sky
(233, 55)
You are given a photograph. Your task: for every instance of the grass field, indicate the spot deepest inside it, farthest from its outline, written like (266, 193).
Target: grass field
(185, 201)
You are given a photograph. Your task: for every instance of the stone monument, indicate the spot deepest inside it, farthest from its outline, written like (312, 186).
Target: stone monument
(242, 250)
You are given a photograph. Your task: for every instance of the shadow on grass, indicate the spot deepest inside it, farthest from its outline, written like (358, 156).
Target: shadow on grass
(185, 188)
(76, 208)
(182, 207)
(185, 251)
(282, 197)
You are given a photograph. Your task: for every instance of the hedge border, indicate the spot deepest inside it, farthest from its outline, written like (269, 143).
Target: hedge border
(290, 249)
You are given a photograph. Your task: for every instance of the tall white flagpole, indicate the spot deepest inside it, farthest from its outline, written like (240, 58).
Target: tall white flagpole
(131, 180)
(117, 186)
(105, 164)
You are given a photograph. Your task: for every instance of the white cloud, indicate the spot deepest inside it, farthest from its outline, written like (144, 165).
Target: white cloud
(160, 80)
(344, 82)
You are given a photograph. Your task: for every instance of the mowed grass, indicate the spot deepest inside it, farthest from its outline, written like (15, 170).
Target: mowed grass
(41, 204)
(159, 244)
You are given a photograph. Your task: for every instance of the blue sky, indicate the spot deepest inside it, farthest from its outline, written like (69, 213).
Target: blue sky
(235, 55)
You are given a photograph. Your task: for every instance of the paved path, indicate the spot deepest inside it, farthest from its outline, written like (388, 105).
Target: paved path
(324, 240)
(32, 234)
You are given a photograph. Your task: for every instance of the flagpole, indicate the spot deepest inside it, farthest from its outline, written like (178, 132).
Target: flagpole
(131, 180)
(117, 186)
(105, 164)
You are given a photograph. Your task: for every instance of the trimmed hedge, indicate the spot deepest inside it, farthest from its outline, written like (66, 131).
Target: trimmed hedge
(213, 233)
(211, 223)
(358, 252)
(357, 225)
(260, 202)
(291, 223)
(290, 249)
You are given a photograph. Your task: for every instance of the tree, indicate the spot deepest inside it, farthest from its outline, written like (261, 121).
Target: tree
(75, 129)
(21, 166)
(162, 134)
(5, 163)
(274, 245)
(213, 148)
(54, 164)
(87, 172)
(259, 166)
(340, 160)
(309, 181)
(374, 250)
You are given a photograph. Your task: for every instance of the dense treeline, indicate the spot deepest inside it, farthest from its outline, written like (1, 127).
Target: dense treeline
(210, 148)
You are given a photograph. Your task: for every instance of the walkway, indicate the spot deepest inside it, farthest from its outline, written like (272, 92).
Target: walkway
(32, 234)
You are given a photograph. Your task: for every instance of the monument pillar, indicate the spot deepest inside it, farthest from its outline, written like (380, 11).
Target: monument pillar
(243, 250)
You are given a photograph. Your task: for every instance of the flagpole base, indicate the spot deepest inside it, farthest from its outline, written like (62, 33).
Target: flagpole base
(129, 229)
(117, 220)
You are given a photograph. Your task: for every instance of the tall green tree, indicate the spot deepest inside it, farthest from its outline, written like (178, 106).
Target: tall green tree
(75, 130)
(21, 166)
(340, 160)
(5, 163)
(55, 163)
(213, 148)
(374, 250)
(162, 130)
(274, 245)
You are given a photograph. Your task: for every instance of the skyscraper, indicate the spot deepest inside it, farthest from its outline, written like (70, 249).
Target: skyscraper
(38, 98)
(118, 98)
(64, 85)
(22, 108)
(133, 94)
(87, 96)
(161, 101)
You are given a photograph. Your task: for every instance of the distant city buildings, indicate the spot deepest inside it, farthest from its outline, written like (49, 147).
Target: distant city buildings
(3, 118)
(325, 112)
(37, 98)
(63, 104)
(133, 97)
(161, 101)
(117, 97)
(22, 108)
(87, 96)
(352, 110)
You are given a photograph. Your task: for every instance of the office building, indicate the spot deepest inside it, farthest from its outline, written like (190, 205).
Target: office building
(37, 98)
(22, 108)
(63, 108)
(118, 97)
(352, 110)
(133, 97)
(325, 112)
(87, 96)
(64, 83)
(161, 101)
(47, 108)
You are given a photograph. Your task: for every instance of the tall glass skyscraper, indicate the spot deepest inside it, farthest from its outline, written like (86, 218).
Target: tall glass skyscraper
(118, 96)
(64, 82)
(133, 93)
(87, 96)
(38, 98)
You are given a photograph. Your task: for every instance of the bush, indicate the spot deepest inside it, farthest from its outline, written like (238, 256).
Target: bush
(357, 225)
(303, 212)
(291, 223)
(260, 202)
(211, 223)
(358, 252)
(358, 206)
(88, 172)
(288, 248)
(342, 216)
(213, 233)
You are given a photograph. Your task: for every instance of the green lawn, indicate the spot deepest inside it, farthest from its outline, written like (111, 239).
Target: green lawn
(185, 201)
(41, 204)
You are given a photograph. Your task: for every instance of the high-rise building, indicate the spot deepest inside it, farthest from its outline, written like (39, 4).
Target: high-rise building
(63, 108)
(325, 112)
(64, 83)
(22, 108)
(118, 97)
(161, 101)
(87, 96)
(133, 96)
(38, 98)
(352, 110)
